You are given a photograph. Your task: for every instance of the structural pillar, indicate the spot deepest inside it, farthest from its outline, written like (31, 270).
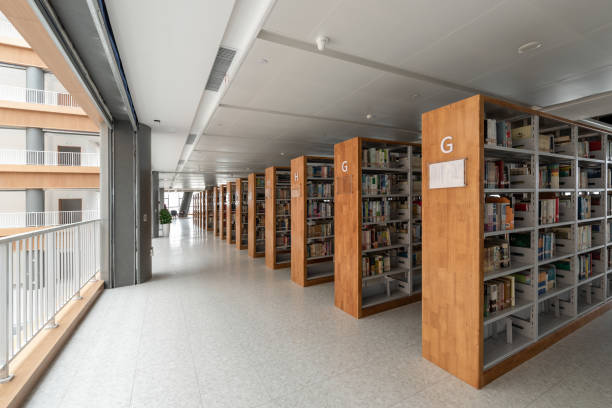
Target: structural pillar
(155, 203)
(35, 143)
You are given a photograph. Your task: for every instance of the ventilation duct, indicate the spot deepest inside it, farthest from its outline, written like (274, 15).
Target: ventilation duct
(224, 59)
(190, 138)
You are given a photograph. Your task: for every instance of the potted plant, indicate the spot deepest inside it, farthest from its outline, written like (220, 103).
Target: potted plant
(165, 219)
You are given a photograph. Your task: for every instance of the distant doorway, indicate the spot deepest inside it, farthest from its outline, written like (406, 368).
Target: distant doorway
(69, 155)
(70, 210)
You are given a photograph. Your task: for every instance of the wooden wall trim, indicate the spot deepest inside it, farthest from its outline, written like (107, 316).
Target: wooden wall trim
(19, 181)
(19, 114)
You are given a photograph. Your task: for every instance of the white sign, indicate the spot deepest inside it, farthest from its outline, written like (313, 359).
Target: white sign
(447, 174)
(345, 166)
(446, 144)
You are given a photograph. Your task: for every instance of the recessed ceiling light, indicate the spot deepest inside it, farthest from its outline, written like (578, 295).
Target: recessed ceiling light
(263, 60)
(369, 116)
(530, 46)
(282, 153)
(415, 95)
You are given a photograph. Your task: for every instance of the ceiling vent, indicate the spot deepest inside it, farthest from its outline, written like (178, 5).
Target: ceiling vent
(224, 59)
(190, 138)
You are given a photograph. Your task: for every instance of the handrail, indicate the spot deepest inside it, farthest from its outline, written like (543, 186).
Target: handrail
(40, 272)
(49, 158)
(38, 96)
(45, 218)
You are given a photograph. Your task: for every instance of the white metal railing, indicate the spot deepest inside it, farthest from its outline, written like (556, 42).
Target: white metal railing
(21, 94)
(8, 30)
(40, 272)
(45, 219)
(49, 158)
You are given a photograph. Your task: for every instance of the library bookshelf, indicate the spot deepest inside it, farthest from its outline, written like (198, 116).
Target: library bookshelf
(519, 256)
(230, 210)
(278, 217)
(312, 220)
(257, 215)
(201, 215)
(195, 215)
(222, 211)
(215, 210)
(208, 209)
(242, 213)
(377, 225)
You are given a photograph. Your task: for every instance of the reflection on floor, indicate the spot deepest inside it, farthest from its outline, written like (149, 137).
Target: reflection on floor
(215, 328)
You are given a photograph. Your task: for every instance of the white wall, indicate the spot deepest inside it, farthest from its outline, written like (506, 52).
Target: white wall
(12, 201)
(12, 139)
(53, 84)
(91, 198)
(88, 144)
(12, 76)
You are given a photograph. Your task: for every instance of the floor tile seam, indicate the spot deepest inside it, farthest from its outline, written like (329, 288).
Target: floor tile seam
(142, 325)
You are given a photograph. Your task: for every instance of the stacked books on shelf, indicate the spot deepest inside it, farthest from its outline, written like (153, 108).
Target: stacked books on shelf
(499, 294)
(585, 265)
(500, 174)
(584, 236)
(547, 277)
(318, 209)
(496, 254)
(584, 207)
(283, 224)
(320, 229)
(320, 171)
(283, 241)
(376, 237)
(283, 209)
(499, 214)
(320, 190)
(316, 249)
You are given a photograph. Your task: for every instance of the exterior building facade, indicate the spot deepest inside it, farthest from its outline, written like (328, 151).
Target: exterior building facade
(49, 148)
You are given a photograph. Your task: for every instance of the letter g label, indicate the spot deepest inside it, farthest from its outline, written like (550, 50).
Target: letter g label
(446, 145)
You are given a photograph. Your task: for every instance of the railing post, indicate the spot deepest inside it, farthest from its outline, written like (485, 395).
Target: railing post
(51, 279)
(77, 261)
(5, 317)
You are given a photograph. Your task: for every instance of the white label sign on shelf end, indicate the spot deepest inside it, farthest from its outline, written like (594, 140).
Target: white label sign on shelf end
(447, 174)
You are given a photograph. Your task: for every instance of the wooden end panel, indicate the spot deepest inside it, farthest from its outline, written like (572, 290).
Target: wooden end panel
(238, 213)
(215, 211)
(229, 192)
(270, 191)
(452, 244)
(222, 190)
(347, 226)
(298, 220)
(252, 208)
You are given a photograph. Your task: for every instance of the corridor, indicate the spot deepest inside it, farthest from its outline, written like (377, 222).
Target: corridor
(215, 328)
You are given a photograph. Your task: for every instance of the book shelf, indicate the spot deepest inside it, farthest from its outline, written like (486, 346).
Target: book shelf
(242, 213)
(377, 225)
(230, 210)
(278, 217)
(195, 216)
(208, 209)
(312, 220)
(257, 215)
(215, 211)
(518, 257)
(222, 211)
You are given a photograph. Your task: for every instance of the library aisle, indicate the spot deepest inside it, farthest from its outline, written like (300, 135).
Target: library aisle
(215, 328)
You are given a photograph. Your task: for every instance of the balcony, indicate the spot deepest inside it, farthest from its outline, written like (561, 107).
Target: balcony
(25, 107)
(49, 158)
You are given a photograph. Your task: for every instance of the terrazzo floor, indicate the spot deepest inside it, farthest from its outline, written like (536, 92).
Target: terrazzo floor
(215, 328)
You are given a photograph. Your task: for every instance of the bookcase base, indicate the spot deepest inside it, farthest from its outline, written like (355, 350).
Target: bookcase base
(257, 255)
(368, 311)
(536, 348)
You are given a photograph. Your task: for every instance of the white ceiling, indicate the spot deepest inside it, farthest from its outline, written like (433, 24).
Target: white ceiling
(302, 101)
(167, 50)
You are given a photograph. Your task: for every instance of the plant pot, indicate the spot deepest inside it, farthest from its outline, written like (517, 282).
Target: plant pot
(165, 230)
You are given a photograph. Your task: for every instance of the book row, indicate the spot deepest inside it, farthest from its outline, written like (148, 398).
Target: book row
(319, 209)
(324, 248)
(321, 171)
(321, 190)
